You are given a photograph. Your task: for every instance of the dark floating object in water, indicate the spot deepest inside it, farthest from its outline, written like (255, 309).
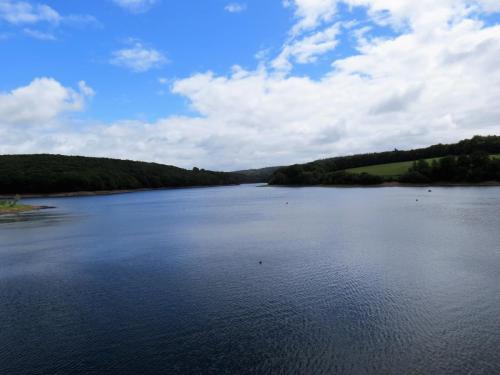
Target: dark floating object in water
(260, 262)
(416, 200)
(286, 202)
(430, 191)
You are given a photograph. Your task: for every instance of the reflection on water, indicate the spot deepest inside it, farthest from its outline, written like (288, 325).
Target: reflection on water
(40, 217)
(234, 280)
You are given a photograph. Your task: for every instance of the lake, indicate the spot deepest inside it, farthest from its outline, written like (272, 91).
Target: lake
(352, 281)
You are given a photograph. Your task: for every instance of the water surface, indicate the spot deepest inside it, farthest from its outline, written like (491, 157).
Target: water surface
(352, 281)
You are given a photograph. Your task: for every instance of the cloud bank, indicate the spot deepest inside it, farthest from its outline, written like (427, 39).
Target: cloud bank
(435, 79)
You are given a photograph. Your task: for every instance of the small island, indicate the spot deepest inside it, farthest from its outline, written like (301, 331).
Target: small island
(12, 206)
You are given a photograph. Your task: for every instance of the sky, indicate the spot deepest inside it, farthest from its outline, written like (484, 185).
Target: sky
(230, 85)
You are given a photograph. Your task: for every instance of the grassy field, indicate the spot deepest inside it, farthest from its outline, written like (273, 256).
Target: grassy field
(392, 169)
(386, 170)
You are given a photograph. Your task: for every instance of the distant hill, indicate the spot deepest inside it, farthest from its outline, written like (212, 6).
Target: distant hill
(44, 174)
(257, 175)
(471, 160)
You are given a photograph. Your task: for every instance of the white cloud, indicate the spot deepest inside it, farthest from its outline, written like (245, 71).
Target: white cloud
(27, 15)
(79, 20)
(37, 34)
(40, 102)
(490, 5)
(138, 57)
(418, 14)
(311, 13)
(21, 12)
(235, 7)
(136, 6)
(307, 49)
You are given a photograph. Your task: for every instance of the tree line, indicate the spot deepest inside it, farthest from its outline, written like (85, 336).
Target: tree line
(43, 173)
(473, 168)
(465, 161)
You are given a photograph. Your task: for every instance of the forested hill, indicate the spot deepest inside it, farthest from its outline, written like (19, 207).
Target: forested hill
(43, 174)
(470, 160)
(257, 175)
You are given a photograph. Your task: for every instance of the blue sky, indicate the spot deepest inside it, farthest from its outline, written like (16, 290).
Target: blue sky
(194, 35)
(224, 84)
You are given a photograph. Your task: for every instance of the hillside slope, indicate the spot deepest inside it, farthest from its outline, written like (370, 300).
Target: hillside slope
(466, 161)
(43, 174)
(387, 170)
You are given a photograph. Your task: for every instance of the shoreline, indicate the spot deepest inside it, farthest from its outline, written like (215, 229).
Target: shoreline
(130, 191)
(104, 192)
(78, 193)
(398, 184)
(442, 184)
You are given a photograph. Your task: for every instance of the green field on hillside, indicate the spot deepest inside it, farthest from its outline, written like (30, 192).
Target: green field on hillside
(392, 169)
(386, 170)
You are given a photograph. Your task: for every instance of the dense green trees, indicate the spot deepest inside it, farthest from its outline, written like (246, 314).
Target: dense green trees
(472, 168)
(465, 161)
(56, 173)
(297, 175)
(256, 175)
